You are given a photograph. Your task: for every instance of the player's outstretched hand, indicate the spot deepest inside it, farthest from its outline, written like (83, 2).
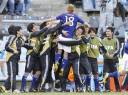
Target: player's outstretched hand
(65, 33)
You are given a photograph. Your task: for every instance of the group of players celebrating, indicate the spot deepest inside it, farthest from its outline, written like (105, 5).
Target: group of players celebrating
(62, 43)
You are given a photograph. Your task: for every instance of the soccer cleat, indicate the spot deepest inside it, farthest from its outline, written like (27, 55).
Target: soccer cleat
(88, 88)
(16, 91)
(79, 89)
(32, 90)
(23, 90)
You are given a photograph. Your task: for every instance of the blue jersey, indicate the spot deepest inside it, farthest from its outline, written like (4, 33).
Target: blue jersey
(73, 20)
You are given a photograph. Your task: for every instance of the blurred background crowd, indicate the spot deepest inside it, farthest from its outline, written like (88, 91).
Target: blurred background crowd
(16, 7)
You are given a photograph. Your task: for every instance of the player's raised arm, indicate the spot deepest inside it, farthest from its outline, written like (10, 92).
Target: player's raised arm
(80, 20)
(39, 32)
(52, 30)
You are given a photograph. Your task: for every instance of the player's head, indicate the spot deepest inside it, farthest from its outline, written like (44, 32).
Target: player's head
(32, 27)
(80, 31)
(92, 32)
(109, 32)
(47, 23)
(11, 30)
(18, 31)
(86, 28)
(70, 8)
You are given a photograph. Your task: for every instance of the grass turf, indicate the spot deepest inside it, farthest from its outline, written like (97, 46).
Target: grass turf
(67, 93)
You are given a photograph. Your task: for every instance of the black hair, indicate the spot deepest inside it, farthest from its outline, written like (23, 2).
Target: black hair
(111, 29)
(86, 26)
(11, 29)
(42, 25)
(92, 29)
(17, 28)
(83, 28)
(30, 27)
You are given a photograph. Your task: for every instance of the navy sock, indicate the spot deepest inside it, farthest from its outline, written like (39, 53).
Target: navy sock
(37, 82)
(107, 85)
(7, 83)
(65, 62)
(84, 79)
(23, 83)
(88, 78)
(96, 83)
(57, 57)
(33, 83)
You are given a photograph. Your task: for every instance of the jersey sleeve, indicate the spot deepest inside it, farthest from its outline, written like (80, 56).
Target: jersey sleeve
(38, 33)
(100, 41)
(80, 20)
(117, 47)
(59, 17)
(8, 44)
(53, 30)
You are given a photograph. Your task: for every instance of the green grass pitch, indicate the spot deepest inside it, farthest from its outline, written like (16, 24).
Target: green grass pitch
(67, 93)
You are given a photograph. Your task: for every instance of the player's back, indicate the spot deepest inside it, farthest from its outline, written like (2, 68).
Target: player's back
(72, 20)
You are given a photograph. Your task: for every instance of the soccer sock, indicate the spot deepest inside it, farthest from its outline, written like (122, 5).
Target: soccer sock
(96, 83)
(88, 78)
(107, 85)
(64, 63)
(57, 57)
(92, 84)
(33, 83)
(84, 79)
(7, 83)
(23, 83)
(38, 82)
(114, 74)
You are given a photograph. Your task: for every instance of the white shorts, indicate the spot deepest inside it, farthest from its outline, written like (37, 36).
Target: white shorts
(63, 47)
(125, 61)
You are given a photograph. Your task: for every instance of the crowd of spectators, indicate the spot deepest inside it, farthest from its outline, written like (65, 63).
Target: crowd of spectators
(16, 7)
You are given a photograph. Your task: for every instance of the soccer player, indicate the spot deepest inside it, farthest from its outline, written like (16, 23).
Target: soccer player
(13, 48)
(70, 20)
(74, 59)
(123, 71)
(45, 47)
(32, 58)
(111, 44)
(93, 52)
(85, 67)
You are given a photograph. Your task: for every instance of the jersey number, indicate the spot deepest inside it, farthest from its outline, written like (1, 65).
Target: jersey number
(69, 20)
